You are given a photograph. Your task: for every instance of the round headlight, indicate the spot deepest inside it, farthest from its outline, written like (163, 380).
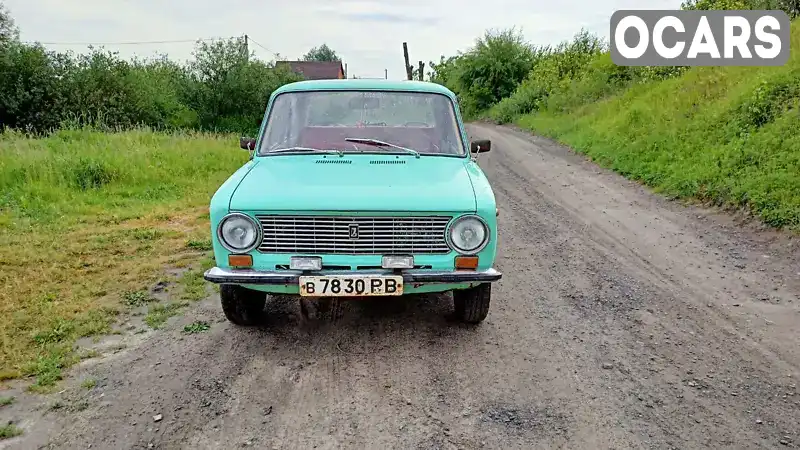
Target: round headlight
(238, 233)
(468, 234)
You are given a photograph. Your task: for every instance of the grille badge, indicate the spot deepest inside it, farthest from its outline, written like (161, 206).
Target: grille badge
(353, 229)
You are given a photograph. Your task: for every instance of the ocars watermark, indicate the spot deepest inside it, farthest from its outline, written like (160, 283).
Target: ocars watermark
(699, 38)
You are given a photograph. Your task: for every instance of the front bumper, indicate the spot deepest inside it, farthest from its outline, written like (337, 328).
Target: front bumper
(283, 277)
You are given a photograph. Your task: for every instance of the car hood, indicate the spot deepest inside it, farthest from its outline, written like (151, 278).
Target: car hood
(356, 183)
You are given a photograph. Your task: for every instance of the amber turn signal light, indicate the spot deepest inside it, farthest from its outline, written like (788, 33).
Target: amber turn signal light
(240, 260)
(467, 262)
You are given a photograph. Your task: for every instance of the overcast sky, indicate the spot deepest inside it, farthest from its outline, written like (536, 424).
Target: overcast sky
(368, 35)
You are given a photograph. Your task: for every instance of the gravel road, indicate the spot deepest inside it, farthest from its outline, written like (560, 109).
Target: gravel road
(623, 320)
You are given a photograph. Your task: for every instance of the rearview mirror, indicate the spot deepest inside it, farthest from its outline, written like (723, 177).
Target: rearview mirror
(247, 143)
(480, 146)
(365, 103)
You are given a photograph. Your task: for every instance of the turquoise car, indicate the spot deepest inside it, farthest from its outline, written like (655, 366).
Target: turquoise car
(356, 188)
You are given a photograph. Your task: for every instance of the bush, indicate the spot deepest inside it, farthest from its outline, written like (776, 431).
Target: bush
(562, 68)
(488, 72)
(221, 89)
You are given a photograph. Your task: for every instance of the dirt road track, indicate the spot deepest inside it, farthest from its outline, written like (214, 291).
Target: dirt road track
(622, 321)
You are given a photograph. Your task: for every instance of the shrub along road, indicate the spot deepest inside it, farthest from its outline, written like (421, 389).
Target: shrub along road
(623, 321)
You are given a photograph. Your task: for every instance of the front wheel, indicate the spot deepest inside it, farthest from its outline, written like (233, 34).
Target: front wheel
(472, 305)
(244, 307)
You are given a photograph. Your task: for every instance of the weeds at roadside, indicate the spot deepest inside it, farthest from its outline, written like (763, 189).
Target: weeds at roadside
(5, 401)
(89, 383)
(89, 354)
(9, 431)
(136, 298)
(199, 244)
(158, 315)
(197, 327)
(58, 405)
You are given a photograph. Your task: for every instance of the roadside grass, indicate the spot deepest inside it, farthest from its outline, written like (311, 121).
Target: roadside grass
(197, 327)
(158, 315)
(88, 222)
(9, 431)
(722, 135)
(5, 401)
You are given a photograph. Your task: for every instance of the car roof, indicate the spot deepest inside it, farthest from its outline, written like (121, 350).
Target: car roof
(366, 84)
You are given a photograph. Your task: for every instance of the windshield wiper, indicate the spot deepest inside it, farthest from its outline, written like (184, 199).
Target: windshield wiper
(377, 143)
(306, 149)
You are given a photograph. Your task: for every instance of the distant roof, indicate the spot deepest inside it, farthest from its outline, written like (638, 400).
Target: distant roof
(315, 70)
(367, 84)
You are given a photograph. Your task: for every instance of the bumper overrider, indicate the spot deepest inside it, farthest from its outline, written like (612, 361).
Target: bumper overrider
(257, 277)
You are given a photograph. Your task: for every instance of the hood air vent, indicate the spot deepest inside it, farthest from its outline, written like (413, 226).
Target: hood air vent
(387, 162)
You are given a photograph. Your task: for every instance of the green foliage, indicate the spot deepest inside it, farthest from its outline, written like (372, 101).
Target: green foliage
(321, 53)
(487, 72)
(196, 327)
(572, 72)
(221, 89)
(791, 7)
(716, 4)
(8, 30)
(9, 431)
(724, 135)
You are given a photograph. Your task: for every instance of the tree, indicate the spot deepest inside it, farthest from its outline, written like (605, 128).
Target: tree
(321, 53)
(8, 30)
(791, 7)
(492, 69)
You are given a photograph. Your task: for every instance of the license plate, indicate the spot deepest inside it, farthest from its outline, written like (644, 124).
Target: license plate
(351, 286)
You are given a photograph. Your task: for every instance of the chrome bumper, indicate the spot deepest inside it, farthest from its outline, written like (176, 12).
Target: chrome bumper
(250, 276)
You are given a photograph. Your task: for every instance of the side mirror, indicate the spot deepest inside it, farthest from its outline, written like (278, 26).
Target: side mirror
(247, 143)
(480, 146)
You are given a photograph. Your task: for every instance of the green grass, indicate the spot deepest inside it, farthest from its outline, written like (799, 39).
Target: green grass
(196, 327)
(726, 136)
(9, 431)
(158, 315)
(89, 383)
(5, 401)
(137, 298)
(88, 222)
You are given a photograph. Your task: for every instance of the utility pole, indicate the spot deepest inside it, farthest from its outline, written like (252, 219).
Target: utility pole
(421, 71)
(246, 48)
(408, 66)
(385, 74)
(345, 70)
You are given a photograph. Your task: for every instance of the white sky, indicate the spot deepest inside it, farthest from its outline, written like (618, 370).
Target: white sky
(368, 34)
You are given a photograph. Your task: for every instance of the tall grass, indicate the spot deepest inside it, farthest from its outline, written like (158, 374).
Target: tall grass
(723, 135)
(87, 216)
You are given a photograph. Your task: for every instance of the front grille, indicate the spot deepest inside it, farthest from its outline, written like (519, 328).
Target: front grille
(374, 235)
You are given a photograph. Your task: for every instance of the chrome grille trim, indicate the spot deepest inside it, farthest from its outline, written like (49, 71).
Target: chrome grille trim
(330, 235)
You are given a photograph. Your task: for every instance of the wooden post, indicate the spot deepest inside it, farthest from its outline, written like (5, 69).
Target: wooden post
(421, 71)
(408, 66)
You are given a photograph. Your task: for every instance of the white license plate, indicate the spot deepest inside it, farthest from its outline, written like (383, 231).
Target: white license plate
(351, 286)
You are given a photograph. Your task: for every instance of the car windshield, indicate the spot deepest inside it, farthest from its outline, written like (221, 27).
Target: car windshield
(356, 121)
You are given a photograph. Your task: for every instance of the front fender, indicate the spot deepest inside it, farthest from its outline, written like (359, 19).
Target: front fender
(486, 208)
(220, 205)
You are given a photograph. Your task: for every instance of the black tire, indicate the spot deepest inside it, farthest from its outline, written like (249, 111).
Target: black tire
(243, 307)
(472, 305)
